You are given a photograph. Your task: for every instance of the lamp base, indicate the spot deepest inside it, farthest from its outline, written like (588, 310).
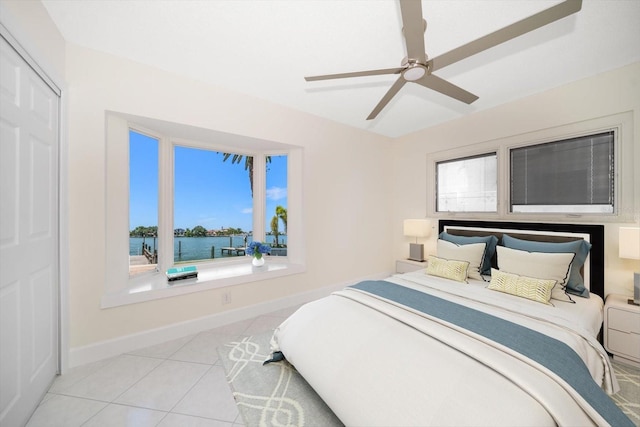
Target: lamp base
(416, 252)
(636, 288)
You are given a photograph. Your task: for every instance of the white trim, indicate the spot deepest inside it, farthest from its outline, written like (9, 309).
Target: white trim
(259, 193)
(114, 347)
(154, 285)
(116, 187)
(564, 209)
(624, 192)
(63, 243)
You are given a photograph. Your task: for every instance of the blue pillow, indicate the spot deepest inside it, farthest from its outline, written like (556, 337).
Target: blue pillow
(490, 250)
(581, 248)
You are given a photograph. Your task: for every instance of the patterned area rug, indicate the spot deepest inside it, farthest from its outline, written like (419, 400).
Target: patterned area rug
(276, 395)
(628, 398)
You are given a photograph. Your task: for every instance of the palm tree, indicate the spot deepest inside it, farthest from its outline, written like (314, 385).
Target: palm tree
(282, 214)
(248, 164)
(274, 229)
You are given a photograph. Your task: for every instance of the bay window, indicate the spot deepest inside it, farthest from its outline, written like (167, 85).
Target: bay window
(187, 196)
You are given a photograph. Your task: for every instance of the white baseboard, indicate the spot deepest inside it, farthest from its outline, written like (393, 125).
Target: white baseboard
(127, 343)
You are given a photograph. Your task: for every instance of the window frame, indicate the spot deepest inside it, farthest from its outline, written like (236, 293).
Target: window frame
(120, 287)
(625, 201)
(476, 150)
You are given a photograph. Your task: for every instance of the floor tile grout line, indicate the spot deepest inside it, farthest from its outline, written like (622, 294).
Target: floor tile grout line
(108, 362)
(160, 364)
(132, 353)
(200, 416)
(191, 388)
(141, 378)
(81, 397)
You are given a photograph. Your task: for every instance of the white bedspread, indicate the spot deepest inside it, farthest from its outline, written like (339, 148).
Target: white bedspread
(586, 314)
(376, 364)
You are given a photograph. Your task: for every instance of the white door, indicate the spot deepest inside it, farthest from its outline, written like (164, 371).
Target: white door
(28, 237)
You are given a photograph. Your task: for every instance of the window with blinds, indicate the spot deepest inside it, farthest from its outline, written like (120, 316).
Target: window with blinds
(569, 176)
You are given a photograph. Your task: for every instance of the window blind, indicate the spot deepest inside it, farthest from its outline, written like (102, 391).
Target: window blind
(577, 171)
(467, 184)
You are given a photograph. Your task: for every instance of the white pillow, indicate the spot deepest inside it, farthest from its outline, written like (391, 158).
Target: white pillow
(473, 253)
(539, 265)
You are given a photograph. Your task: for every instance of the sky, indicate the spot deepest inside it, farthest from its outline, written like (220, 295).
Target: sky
(207, 191)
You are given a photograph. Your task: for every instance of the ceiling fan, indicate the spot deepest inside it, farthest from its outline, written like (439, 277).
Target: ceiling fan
(417, 67)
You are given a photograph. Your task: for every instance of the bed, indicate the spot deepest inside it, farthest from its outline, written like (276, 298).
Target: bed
(425, 348)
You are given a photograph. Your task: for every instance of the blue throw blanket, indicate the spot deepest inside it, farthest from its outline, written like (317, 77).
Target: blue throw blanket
(549, 352)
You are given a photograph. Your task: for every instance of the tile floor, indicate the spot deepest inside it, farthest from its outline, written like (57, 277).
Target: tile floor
(177, 383)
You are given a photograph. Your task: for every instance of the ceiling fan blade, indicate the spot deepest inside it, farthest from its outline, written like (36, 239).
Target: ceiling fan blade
(507, 33)
(446, 88)
(387, 97)
(355, 74)
(413, 29)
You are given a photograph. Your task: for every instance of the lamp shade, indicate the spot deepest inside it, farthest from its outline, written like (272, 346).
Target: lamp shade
(629, 243)
(417, 227)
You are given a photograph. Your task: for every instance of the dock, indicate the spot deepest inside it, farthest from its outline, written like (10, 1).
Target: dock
(138, 260)
(139, 264)
(230, 250)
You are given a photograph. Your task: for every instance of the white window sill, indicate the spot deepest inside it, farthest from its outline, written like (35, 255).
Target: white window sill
(155, 285)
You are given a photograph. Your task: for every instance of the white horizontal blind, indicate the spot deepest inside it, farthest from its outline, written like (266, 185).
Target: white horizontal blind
(467, 184)
(573, 175)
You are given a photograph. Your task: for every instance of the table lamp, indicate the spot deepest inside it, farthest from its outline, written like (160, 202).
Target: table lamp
(630, 249)
(417, 228)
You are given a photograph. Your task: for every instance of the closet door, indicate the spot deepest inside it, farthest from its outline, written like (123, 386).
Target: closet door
(29, 237)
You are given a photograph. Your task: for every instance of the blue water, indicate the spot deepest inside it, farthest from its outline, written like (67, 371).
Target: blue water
(197, 248)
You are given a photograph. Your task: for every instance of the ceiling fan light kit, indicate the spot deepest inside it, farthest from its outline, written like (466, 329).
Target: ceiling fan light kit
(417, 68)
(414, 72)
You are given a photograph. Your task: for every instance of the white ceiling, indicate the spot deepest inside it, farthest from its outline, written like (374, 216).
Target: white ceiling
(265, 48)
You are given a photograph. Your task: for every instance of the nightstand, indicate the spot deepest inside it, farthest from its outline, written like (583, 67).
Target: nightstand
(622, 329)
(408, 265)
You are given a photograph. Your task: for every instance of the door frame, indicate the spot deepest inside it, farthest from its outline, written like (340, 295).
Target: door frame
(21, 42)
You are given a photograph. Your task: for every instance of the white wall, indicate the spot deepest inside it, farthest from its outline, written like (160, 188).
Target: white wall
(30, 23)
(348, 222)
(610, 93)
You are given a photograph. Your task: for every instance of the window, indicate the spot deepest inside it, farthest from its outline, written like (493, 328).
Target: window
(143, 202)
(213, 204)
(578, 170)
(467, 184)
(189, 193)
(212, 208)
(571, 175)
(276, 209)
